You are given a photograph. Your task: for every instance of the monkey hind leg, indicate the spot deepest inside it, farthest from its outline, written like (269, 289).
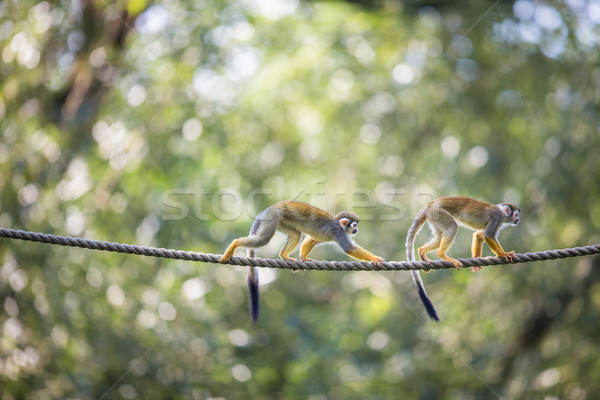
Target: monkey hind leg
(290, 244)
(433, 244)
(444, 246)
(444, 227)
(229, 252)
(261, 233)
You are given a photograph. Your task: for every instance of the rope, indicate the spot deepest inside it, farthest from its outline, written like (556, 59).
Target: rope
(285, 264)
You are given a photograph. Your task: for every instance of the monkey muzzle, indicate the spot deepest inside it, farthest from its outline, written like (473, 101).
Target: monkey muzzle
(354, 231)
(516, 221)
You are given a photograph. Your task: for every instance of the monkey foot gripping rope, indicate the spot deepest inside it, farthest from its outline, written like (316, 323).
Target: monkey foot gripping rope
(285, 264)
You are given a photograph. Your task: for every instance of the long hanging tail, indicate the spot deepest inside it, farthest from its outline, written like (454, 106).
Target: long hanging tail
(410, 242)
(253, 288)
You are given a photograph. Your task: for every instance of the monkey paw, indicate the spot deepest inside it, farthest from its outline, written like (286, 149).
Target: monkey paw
(377, 261)
(473, 269)
(457, 264)
(427, 260)
(508, 257)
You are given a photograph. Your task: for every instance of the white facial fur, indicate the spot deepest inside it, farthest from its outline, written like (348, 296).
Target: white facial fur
(515, 217)
(351, 229)
(508, 212)
(504, 209)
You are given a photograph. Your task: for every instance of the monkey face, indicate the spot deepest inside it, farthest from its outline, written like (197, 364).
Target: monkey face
(515, 217)
(510, 213)
(350, 227)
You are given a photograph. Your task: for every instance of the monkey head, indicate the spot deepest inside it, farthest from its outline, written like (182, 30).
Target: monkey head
(510, 213)
(348, 221)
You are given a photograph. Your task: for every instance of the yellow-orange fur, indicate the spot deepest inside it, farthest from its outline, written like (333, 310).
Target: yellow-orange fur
(445, 214)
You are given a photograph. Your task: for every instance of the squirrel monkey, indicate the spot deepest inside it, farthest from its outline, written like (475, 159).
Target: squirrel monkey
(294, 218)
(443, 216)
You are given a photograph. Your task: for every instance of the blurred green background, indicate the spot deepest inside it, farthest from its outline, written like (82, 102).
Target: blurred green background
(173, 123)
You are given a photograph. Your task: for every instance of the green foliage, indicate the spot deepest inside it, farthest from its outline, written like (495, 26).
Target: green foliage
(174, 123)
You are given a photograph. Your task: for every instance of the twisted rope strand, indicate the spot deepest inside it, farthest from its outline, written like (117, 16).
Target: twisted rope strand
(285, 264)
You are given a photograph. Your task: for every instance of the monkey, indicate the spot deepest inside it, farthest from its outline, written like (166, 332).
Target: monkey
(443, 216)
(294, 218)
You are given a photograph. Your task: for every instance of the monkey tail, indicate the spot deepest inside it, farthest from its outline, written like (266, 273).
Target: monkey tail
(410, 256)
(423, 295)
(414, 229)
(253, 288)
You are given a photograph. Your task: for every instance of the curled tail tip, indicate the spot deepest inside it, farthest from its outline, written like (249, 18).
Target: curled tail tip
(428, 306)
(254, 304)
(432, 314)
(254, 316)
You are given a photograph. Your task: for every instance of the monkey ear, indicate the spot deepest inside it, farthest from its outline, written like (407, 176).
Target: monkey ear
(506, 210)
(344, 222)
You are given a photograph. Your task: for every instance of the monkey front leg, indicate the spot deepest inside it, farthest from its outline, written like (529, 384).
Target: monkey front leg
(290, 244)
(477, 247)
(498, 250)
(361, 254)
(306, 247)
(444, 246)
